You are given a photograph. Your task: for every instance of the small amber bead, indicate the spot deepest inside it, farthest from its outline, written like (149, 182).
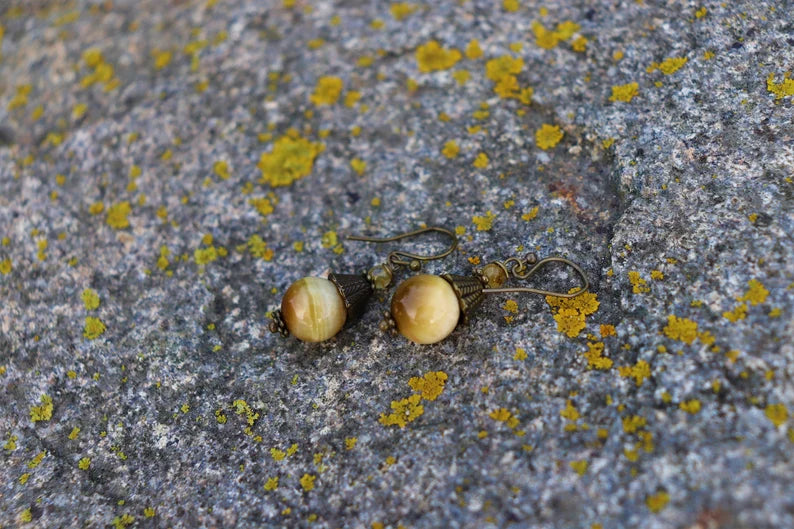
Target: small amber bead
(495, 275)
(380, 276)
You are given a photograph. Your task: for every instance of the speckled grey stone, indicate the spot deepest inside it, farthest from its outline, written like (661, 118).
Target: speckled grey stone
(697, 186)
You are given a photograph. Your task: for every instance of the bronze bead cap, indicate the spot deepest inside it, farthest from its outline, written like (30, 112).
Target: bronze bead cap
(314, 309)
(426, 309)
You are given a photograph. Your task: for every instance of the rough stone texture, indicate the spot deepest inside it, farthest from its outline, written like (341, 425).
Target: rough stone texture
(697, 185)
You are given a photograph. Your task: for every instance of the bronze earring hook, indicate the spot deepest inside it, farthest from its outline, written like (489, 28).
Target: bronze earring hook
(520, 271)
(381, 275)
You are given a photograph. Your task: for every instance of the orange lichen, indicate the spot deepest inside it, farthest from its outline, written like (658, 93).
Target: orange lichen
(430, 386)
(681, 329)
(607, 330)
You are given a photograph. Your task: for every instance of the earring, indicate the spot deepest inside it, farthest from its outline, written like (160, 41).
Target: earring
(427, 308)
(315, 309)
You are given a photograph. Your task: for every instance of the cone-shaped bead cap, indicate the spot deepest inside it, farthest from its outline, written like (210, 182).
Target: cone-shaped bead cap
(468, 289)
(355, 290)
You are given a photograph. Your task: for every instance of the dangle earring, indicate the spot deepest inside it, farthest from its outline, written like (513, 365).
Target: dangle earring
(427, 308)
(315, 309)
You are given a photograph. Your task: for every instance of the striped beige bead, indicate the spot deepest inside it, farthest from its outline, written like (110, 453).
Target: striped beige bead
(313, 309)
(425, 309)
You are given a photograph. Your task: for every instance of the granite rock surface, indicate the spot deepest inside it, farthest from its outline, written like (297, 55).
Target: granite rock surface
(169, 168)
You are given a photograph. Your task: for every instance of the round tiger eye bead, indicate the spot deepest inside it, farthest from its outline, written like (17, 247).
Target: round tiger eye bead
(313, 309)
(425, 309)
(494, 274)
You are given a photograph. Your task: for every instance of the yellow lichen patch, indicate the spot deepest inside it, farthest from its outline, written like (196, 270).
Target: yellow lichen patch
(292, 158)
(504, 66)
(547, 136)
(668, 66)
(37, 459)
(90, 299)
(473, 50)
(404, 411)
(531, 214)
(569, 313)
(485, 222)
(400, 10)
(569, 411)
(84, 463)
(221, 169)
(262, 205)
(580, 467)
(350, 443)
(738, 313)
(258, 248)
(20, 99)
(430, 386)
(450, 149)
(625, 92)
(162, 58)
(632, 423)
(42, 412)
(117, 215)
(544, 38)
(784, 88)
(607, 330)
(307, 482)
(639, 371)
(595, 356)
(777, 413)
(520, 354)
(681, 329)
(432, 57)
(271, 483)
(94, 328)
(74, 433)
(756, 293)
(690, 406)
(500, 415)
(204, 256)
(657, 275)
(579, 44)
(5, 266)
(327, 91)
(657, 502)
(510, 306)
(481, 162)
(358, 165)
